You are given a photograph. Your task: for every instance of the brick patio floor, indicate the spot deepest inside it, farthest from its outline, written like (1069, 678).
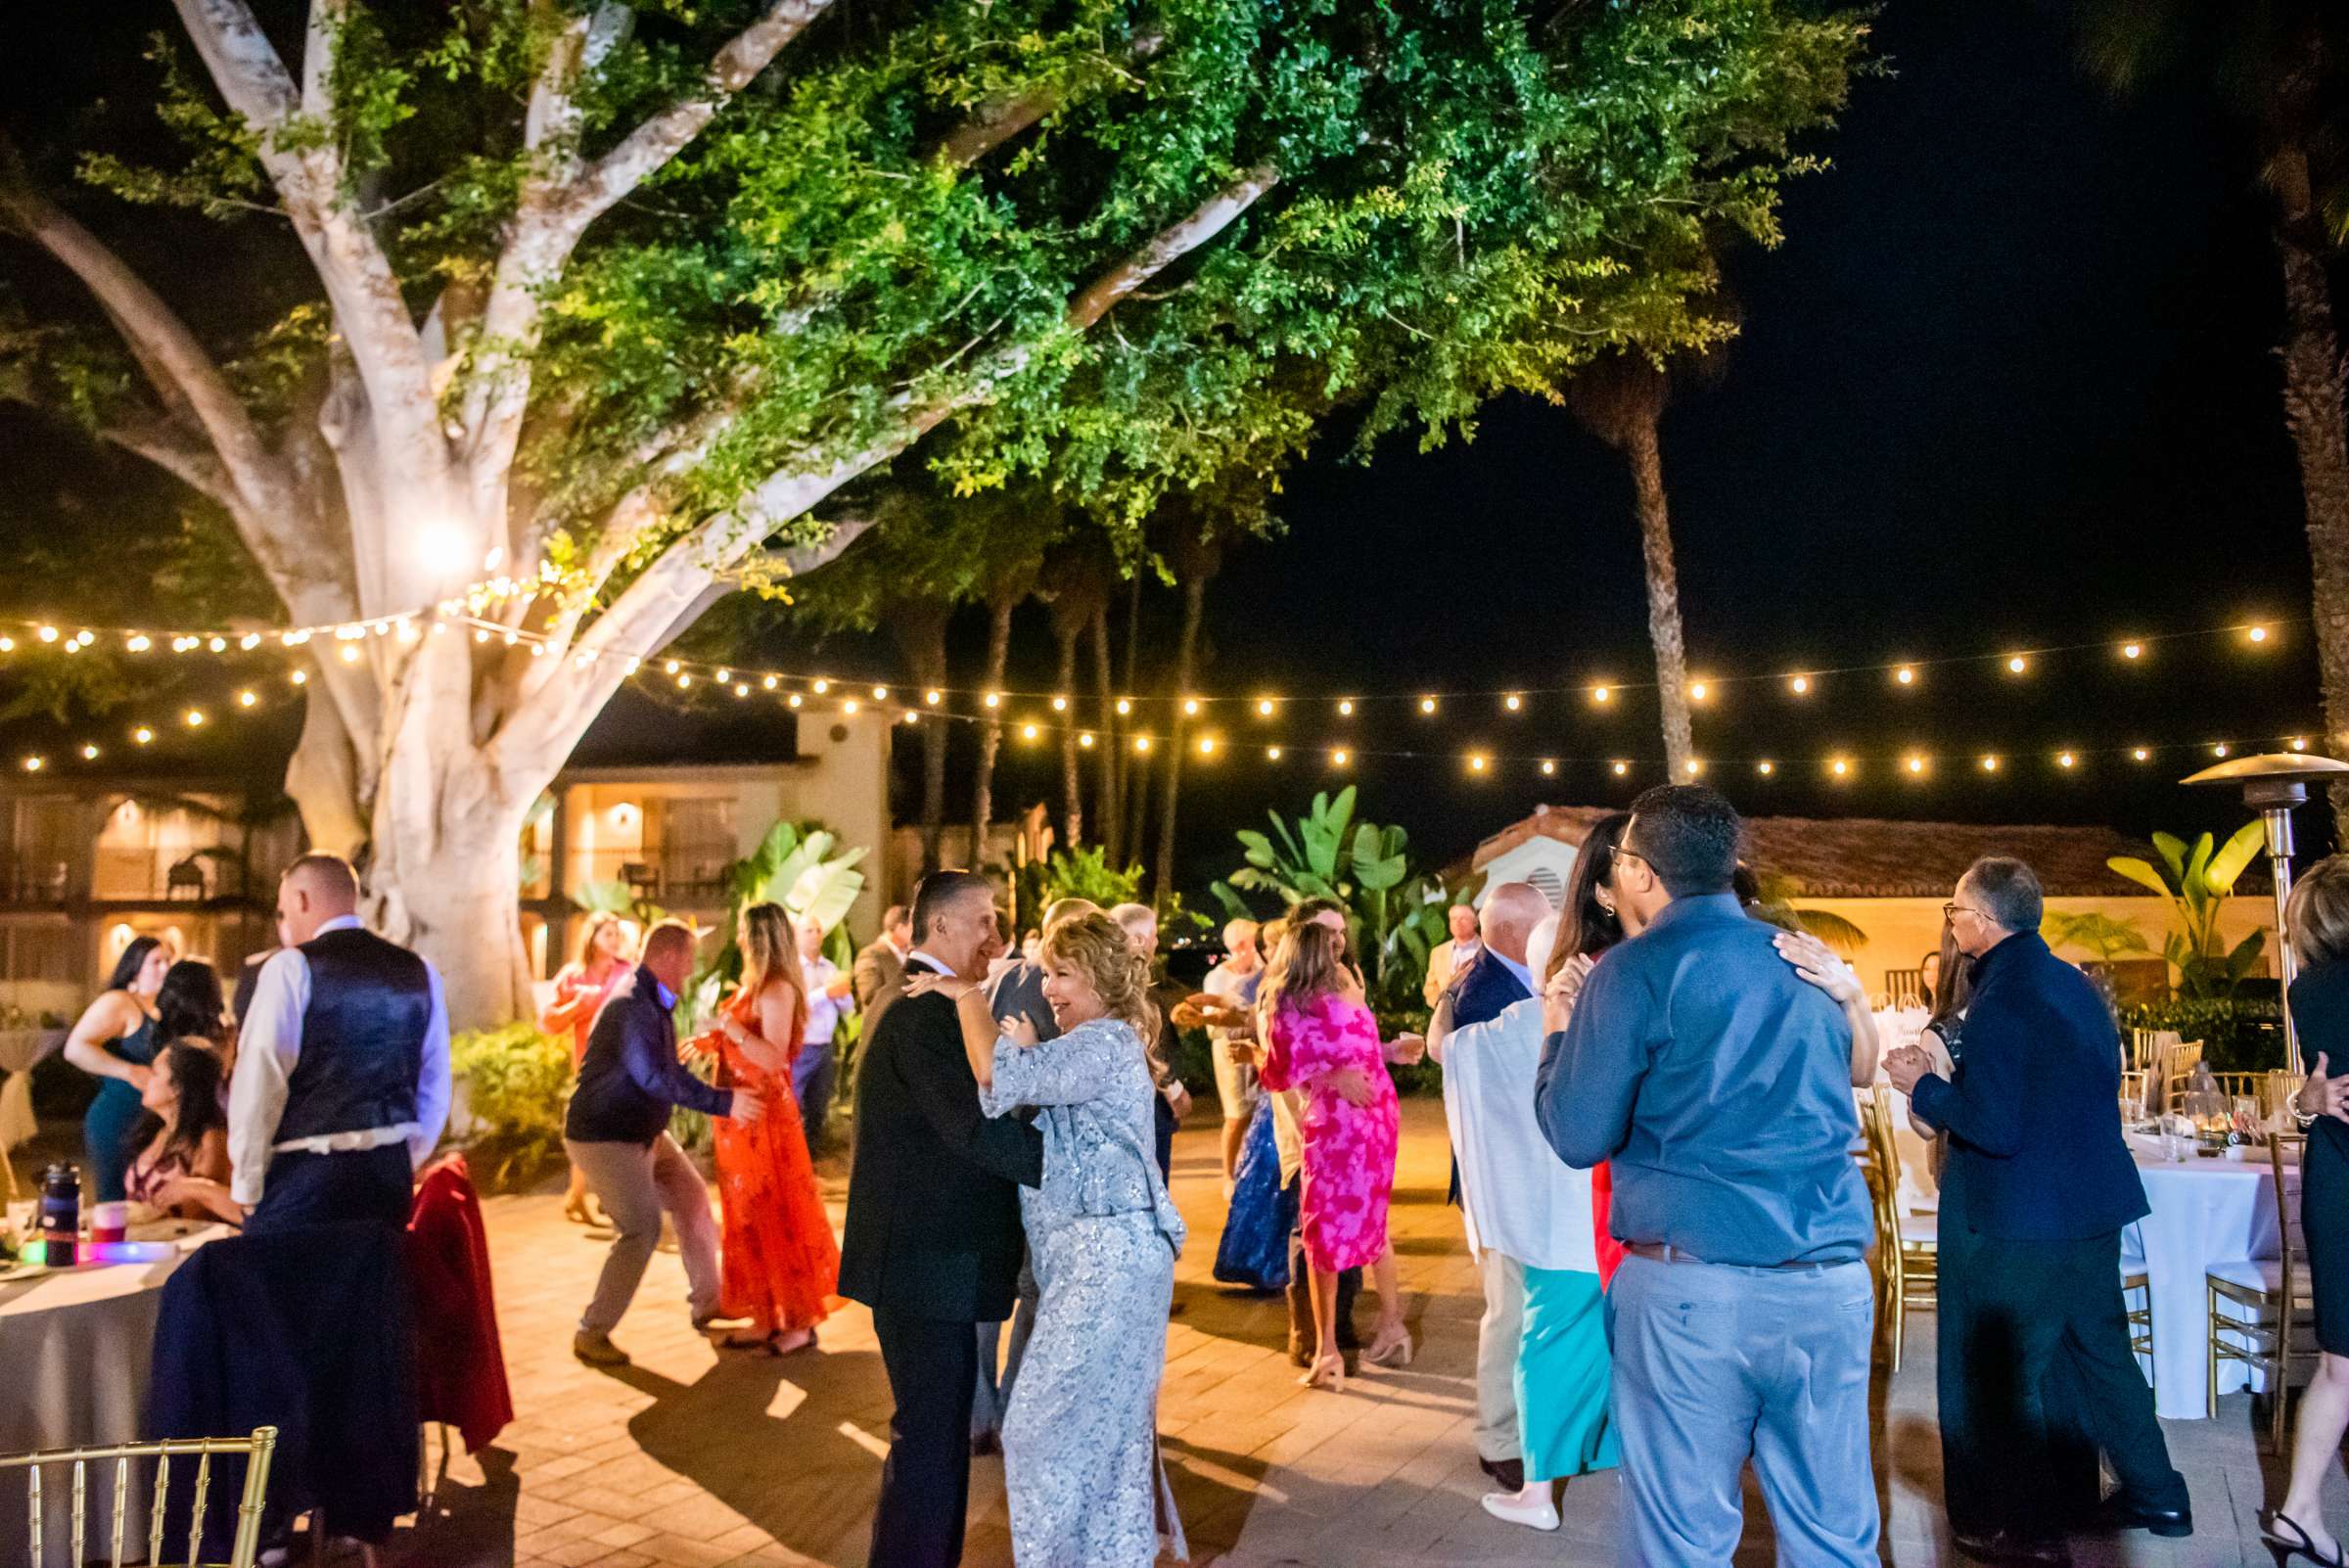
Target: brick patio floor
(695, 1460)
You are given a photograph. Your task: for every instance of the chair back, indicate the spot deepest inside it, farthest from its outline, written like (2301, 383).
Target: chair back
(2147, 1049)
(1904, 988)
(2268, 1092)
(2284, 1152)
(243, 1549)
(2134, 1081)
(1880, 1164)
(2177, 1067)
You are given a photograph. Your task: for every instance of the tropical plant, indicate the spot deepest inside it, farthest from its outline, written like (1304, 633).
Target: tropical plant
(2197, 883)
(1776, 905)
(1394, 915)
(794, 866)
(598, 304)
(514, 1080)
(1076, 874)
(2100, 936)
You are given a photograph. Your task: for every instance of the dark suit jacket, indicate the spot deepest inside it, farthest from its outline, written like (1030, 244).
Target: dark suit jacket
(934, 1208)
(1019, 992)
(630, 1076)
(2033, 1132)
(1484, 990)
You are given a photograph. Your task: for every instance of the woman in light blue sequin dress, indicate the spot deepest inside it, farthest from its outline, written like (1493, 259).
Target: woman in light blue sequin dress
(1080, 1440)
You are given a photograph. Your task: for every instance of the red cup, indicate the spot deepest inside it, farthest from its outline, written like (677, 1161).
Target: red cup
(110, 1222)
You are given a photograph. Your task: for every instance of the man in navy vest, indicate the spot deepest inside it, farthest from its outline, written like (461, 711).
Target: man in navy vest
(342, 1081)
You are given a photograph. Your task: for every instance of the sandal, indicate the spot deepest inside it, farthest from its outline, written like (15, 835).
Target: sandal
(2302, 1544)
(1392, 1347)
(1327, 1371)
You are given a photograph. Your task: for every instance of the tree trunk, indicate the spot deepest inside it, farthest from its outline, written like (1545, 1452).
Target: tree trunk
(1663, 597)
(1194, 602)
(991, 725)
(2313, 411)
(1108, 822)
(919, 627)
(322, 781)
(1132, 767)
(445, 878)
(1071, 783)
(1137, 773)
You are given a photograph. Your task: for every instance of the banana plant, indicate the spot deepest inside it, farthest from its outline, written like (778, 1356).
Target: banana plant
(2197, 883)
(1394, 915)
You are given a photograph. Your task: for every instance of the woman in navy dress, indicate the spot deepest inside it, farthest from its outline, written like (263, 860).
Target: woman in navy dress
(114, 1041)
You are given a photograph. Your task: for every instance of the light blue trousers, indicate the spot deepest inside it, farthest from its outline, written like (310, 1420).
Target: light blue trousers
(1715, 1365)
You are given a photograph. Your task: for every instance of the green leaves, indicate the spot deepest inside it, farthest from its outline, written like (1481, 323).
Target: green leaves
(2196, 884)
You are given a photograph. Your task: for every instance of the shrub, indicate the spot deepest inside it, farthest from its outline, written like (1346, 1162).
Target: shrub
(516, 1081)
(2240, 1034)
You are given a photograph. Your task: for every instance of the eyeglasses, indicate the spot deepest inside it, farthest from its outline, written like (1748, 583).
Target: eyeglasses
(1622, 852)
(1951, 911)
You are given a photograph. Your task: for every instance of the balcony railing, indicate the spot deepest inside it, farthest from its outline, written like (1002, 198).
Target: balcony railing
(134, 874)
(678, 877)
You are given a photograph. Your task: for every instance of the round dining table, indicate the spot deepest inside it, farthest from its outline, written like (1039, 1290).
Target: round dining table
(2205, 1211)
(78, 1344)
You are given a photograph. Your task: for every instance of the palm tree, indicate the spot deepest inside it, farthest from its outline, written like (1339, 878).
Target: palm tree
(2281, 67)
(1621, 400)
(1196, 559)
(1077, 587)
(917, 623)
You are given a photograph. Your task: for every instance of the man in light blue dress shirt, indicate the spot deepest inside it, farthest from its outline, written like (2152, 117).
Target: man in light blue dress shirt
(1716, 1084)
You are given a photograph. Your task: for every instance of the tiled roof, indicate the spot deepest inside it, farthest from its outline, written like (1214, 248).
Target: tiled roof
(1874, 858)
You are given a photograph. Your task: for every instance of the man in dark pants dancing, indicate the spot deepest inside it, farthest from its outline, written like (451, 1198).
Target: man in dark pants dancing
(932, 1238)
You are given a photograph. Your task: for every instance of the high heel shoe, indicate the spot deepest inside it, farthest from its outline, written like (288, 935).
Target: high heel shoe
(2300, 1544)
(1327, 1371)
(1390, 1348)
(574, 1210)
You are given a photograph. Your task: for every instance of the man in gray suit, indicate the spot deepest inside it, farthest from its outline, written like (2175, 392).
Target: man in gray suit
(880, 970)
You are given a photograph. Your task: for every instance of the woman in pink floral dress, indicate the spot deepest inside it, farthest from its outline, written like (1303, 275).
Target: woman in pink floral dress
(1322, 1042)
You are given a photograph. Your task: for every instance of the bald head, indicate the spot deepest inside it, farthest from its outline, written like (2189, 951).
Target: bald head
(315, 888)
(1512, 911)
(668, 954)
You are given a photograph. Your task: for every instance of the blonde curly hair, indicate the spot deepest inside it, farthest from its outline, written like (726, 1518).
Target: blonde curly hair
(1098, 947)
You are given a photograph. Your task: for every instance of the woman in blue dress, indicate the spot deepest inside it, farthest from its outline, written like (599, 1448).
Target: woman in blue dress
(1081, 1438)
(115, 1041)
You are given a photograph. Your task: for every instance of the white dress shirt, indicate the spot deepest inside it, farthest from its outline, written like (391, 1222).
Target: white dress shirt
(268, 1046)
(824, 1009)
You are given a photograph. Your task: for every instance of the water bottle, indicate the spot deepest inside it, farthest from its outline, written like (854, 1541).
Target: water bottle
(61, 1214)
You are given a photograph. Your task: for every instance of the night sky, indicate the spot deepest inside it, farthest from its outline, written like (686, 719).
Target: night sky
(2009, 382)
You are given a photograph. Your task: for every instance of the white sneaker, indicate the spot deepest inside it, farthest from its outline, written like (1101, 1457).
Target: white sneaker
(1530, 1508)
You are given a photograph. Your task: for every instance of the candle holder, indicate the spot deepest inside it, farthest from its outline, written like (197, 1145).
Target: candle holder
(2272, 783)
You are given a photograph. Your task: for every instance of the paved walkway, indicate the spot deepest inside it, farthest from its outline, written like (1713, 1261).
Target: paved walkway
(695, 1460)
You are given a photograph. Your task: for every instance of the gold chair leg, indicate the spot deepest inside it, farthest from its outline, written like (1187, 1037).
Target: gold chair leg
(2210, 1386)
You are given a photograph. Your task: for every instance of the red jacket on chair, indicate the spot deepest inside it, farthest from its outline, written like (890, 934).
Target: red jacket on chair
(461, 1368)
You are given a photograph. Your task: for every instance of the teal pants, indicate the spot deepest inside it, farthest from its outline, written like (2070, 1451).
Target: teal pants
(1563, 1377)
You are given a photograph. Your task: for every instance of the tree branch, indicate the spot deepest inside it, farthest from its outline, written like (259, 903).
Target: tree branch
(1211, 218)
(560, 200)
(998, 120)
(179, 451)
(383, 339)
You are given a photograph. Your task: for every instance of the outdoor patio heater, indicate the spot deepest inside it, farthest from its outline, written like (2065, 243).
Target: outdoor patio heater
(2272, 785)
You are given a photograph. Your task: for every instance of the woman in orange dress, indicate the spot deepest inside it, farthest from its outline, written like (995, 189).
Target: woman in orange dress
(780, 1264)
(603, 957)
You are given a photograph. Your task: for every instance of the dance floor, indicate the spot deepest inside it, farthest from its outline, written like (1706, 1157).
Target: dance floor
(693, 1459)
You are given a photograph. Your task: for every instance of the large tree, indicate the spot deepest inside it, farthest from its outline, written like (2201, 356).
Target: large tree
(2281, 69)
(606, 298)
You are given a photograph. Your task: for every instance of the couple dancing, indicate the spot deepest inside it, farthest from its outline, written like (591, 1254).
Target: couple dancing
(965, 1129)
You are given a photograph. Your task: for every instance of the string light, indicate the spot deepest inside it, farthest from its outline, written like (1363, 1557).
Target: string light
(2220, 749)
(33, 764)
(47, 634)
(138, 642)
(795, 699)
(880, 694)
(724, 675)
(993, 699)
(1190, 708)
(1207, 746)
(89, 753)
(142, 734)
(1990, 764)
(1027, 732)
(1264, 708)
(1141, 743)
(2298, 743)
(1272, 754)
(2257, 634)
(1060, 705)
(1905, 675)
(684, 682)
(852, 707)
(1549, 767)
(1338, 759)
(1476, 762)
(1766, 768)
(2016, 663)
(2065, 759)
(1694, 767)
(1840, 767)
(246, 698)
(2140, 754)
(299, 677)
(933, 697)
(2132, 650)
(1427, 705)
(770, 684)
(1915, 765)
(194, 718)
(742, 688)
(1512, 702)
(1800, 685)
(1600, 694)
(1621, 768)
(1085, 738)
(1698, 691)
(1345, 708)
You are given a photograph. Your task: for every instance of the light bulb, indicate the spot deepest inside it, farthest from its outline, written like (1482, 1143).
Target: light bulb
(1698, 691)
(1476, 762)
(1916, 765)
(1190, 708)
(1600, 694)
(1124, 705)
(194, 718)
(795, 699)
(1694, 767)
(1085, 738)
(89, 753)
(2065, 759)
(1905, 675)
(1027, 732)
(246, 699)
(1264, 708)
(850, 707)
(1427, 705)
(768, 685)
(1273, 754)
(2257, 634)
(742, 688)
(139, 642)
(1512, 702)
(820, 686)
(299, 677)
(1549, 768)
(724, 675)
(993, 699)
(2220, 749)
(880, 694)
(2132, 650)
(1800, 685)
(933, 698)
(2299, 743)
(1990, 764)
(672, 666)
(1622, 768)
(1345, 708)
(2016, 663)
(142, 734)
(1141, 743)
(1766, 768)
(2139, 755)
(33, 765)
(1060, 705)
(1207, 746)
(1339, 759)
(1840, 767)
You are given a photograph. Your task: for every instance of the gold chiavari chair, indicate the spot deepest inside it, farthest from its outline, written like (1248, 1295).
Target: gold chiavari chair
(243, 1549)
(2132, 1092)
(2149, 1048)
(2176, 1070)
(1907, 1260)
(2274, 1293)
(2267, 1090)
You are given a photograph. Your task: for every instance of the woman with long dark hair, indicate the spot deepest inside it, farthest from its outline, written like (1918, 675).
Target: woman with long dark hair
(182, 1165)
(114, 1040)
(780, 1265)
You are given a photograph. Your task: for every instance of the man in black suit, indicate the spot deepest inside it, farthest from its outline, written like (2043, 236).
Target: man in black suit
(2033, 1324)
(933, 1240)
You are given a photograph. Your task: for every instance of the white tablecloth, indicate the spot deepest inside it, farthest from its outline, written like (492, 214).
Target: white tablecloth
(77, 1348)
(19, 1050)
(2204, 1211)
